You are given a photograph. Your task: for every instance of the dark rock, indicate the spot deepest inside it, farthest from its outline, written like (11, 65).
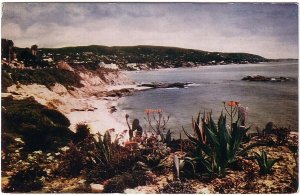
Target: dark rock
(264, 78)
(113, 109)
(165, 85)
(120, 93)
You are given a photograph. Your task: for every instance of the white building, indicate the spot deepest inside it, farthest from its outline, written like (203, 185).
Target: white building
(133, 66)
(109, 66)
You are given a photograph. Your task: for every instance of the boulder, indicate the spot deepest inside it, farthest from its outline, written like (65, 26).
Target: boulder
(96, 188)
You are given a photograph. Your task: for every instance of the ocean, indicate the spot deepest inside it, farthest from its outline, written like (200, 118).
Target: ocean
(275, 102)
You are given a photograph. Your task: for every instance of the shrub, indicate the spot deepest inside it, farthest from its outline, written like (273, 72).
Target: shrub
(45, 76)
(56, 117)
(99, 156)
(115, 185)
(157, 122)
(73, 162)
(128, 180)
(40, 127)
(82, 132)
(98, 174)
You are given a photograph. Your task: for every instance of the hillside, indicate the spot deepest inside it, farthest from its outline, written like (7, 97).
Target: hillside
(145, 57)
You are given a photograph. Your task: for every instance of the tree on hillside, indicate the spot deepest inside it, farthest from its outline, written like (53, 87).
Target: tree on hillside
(7, 49)
(34, 49)
(27, 57)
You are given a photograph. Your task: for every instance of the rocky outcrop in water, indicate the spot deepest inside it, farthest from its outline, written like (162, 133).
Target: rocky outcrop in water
(264, 78)
(165, 85)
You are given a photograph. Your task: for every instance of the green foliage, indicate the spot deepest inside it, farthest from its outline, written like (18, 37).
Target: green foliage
(216, 146)
(264, 163)
(105, 149)
(41, 128)
(45, 76)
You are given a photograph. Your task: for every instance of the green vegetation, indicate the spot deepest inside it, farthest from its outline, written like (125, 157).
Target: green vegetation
(264, 163)
(41, 128)
(46, 76)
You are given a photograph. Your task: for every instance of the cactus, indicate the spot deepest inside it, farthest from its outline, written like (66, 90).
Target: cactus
(134, 127)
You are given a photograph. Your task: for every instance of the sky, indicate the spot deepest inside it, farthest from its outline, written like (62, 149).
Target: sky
(269, 30)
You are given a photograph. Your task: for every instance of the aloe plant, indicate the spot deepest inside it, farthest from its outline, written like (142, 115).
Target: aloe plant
(217, 147)
(264, 163)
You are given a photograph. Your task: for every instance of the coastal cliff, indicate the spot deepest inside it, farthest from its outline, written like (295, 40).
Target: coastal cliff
(76, 100)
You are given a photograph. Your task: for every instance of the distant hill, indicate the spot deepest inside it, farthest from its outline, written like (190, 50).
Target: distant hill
(152, 56)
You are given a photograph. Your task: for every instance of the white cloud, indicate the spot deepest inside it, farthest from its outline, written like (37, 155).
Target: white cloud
(185, 25)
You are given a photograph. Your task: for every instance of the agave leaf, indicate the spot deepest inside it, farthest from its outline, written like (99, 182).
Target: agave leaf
(188, 160)
(271, 162)
(211, 137)
(197, 128)
(243, 151)
(223, 142)
(205, 163)
(168, 136)
(191, 138)
(259, 159)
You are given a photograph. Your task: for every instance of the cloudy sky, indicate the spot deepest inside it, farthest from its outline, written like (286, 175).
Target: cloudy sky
(270, 30)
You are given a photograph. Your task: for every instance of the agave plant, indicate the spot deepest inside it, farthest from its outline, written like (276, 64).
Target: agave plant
(104, 149)
(217, 147)
(264, 163)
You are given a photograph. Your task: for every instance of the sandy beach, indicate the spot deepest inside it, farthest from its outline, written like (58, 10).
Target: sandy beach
(100, 119)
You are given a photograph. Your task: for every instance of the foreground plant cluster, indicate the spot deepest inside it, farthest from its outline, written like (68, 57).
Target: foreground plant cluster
(216, 157)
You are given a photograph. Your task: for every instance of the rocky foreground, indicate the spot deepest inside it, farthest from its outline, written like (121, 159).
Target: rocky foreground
(242, 177)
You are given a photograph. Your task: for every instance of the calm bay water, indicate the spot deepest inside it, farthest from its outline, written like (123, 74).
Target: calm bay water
(266, 101)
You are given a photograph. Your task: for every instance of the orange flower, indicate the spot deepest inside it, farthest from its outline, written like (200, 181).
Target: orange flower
(147, 111)
(232, 103)
(159, 110)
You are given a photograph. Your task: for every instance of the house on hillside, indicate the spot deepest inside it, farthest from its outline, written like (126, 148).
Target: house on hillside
(133, 66)
(109, 66)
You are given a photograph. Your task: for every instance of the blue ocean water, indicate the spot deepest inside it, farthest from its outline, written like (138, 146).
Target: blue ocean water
(266, 101)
